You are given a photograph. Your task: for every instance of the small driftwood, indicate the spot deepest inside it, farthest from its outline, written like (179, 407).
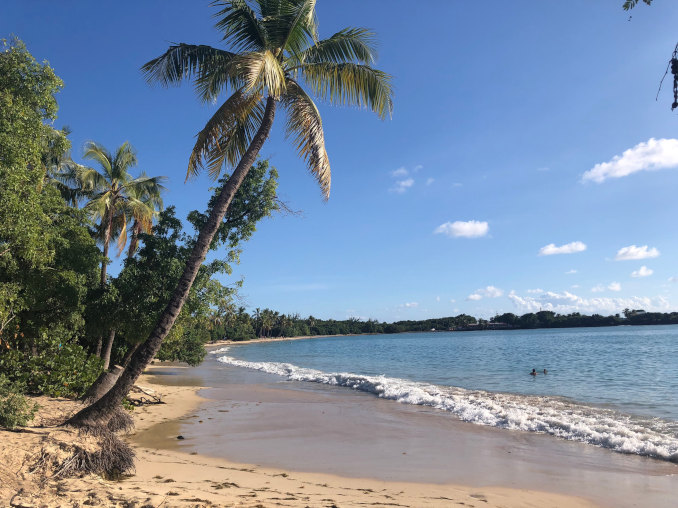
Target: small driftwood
(139, 396)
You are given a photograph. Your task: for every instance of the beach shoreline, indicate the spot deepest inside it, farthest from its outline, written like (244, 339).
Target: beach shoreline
(174, 478)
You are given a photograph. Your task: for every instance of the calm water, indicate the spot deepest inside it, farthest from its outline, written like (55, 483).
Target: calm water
(612, 387)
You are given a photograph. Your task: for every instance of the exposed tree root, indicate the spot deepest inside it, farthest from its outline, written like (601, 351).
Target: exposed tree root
(68, 453)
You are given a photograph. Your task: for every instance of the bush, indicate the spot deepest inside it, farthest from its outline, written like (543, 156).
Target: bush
(15, 409)
(51, 367)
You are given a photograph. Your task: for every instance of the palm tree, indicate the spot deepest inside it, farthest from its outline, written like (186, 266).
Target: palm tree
(115, 193)
(276, 51)
(144, 206)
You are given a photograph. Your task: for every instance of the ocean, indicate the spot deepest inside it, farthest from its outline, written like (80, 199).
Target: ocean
(615, 388)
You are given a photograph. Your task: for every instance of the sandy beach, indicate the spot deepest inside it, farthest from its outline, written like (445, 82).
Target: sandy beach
(171, 477)
(255, 441)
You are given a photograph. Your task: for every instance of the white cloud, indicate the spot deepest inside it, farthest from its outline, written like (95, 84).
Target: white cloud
(402, 185)
(457, 184)
(410, 305)
(652, 155)
(673, 279)
(575, 286)
(469, 229)
(632, 252)
(566, 303)
(643, 271)
(437, 298)
(397, 173)
(452, 300)
(429, 181)
(614, 286)
(535, 291)
(418, 168)
(598, 289)
(487, 292)
(568, 248)
(570, 272)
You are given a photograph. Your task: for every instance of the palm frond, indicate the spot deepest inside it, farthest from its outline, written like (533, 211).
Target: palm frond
(305, 126)
(222, 137)
(240, 25)
(347, 45)
(294, 27)
(97, 152)
(351, 84)
(262, 73)
(183, 61)
(125, 158)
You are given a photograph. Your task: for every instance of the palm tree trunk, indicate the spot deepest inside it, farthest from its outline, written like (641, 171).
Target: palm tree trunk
(109, 347)
(99, 413)
(134, 242)
(107, 239)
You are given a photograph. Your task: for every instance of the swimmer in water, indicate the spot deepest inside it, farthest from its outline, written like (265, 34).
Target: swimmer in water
(544, 371)
(533, 373)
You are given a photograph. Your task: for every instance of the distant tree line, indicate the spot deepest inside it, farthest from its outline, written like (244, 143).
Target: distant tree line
(266, 323)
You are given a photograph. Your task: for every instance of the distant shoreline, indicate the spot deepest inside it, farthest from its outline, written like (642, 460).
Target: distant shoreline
(228, 342)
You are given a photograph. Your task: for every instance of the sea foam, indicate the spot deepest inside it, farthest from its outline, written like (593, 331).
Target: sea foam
(549, 415)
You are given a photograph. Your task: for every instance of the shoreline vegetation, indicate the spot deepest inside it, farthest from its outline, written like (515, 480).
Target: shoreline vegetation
(173, 478)
(246, 328)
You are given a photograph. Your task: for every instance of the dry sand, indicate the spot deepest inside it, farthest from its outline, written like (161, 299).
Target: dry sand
(172, 478)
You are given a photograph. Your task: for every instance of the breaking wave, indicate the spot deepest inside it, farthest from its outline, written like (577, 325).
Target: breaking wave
(652, 437)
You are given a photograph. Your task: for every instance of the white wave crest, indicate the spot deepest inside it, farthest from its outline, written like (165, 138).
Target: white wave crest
(224, 349)
(549, 415)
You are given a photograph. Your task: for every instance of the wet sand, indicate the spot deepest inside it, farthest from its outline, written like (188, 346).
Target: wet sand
(255, 418)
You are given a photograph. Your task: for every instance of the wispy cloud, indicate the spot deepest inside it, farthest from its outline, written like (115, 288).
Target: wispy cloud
(648, 156)
(543, 169)
(566, 302)
(487, 292)
(468, 229)
(410, 305)
(614, 286)
(399, 173)
(673, 279)
(643, 271)
(570, 272)
(429, 181)
(535, 291)
(418, 168)
(632, 253)
(401, 186)
(568, 248)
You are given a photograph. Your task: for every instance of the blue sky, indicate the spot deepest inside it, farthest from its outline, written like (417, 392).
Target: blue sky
(520, 128)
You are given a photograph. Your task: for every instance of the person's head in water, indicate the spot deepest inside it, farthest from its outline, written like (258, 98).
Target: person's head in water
(534, 372)
(544, 371)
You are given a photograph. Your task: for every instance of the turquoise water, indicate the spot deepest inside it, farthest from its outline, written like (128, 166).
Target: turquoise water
(613, 387)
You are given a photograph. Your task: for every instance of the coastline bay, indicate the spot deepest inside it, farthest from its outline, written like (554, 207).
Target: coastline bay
(255, 417)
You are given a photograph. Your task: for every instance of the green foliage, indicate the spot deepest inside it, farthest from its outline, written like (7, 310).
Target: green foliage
(186, 346)
(53, 365)
(27, 90)
(15, 409)
(630, 4)
(147, 280)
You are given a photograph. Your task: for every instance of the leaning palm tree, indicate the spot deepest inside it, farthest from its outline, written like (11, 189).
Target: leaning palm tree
(114, 192)
(277, 58)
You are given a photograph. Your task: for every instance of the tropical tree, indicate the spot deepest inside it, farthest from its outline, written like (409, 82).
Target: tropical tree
(115, 193)
(276, 51)
(143, 207)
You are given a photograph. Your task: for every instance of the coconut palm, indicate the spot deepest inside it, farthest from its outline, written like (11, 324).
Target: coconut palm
(276, 58)
(144, 207)
(115, 193)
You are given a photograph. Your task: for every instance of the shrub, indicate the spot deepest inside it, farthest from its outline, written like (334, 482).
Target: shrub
(15, 409)
(51, 367)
